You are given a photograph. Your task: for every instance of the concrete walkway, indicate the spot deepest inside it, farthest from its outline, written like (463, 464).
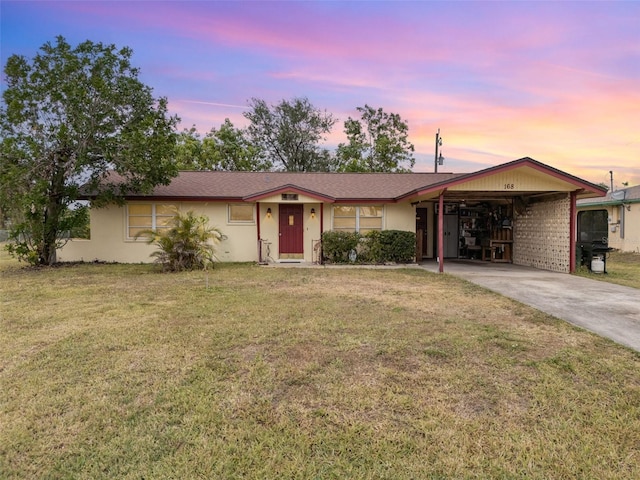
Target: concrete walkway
(612, 311)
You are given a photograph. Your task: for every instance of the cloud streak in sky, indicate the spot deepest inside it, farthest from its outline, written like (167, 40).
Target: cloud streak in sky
(556, 81)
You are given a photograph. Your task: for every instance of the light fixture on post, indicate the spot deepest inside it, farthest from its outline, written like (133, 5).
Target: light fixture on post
(313, 213)
(269, 212)
(439, 160)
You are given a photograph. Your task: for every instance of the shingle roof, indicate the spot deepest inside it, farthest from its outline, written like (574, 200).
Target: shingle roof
(336, 186)
(253, 186)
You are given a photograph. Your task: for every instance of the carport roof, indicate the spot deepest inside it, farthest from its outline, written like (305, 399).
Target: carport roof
(479, 184)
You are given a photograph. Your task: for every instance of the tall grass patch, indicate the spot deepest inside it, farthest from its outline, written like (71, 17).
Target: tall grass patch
(623, 268)
(118, 371)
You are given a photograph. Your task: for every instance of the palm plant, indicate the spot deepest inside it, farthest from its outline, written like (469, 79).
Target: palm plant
(187, 245)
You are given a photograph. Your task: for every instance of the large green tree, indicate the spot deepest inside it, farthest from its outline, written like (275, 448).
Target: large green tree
(189, 150)
(225, 148)
(376, 143)
(290, 133)
(69, 116)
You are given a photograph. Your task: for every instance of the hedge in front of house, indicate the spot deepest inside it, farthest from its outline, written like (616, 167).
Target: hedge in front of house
(397, 246)
(337, 245)
(373, 247)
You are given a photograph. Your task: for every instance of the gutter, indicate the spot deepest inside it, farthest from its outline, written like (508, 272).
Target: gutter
(612, 203)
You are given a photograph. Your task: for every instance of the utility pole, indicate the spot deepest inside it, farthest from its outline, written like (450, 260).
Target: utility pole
(439, 160)
(611, 175)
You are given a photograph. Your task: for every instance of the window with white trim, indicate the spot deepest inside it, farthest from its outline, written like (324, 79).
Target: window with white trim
(149, 216)
(241, 213)
(357, 218)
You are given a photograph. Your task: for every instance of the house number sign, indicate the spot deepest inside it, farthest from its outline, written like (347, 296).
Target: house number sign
(509, 186)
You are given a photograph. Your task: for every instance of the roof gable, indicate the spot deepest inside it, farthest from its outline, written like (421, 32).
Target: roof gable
(525, 175)
(288, 189)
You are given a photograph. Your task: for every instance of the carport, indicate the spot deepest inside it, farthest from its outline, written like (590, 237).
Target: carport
(522, 212)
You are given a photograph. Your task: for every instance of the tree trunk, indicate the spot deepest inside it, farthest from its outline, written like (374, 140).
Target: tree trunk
(47, 254)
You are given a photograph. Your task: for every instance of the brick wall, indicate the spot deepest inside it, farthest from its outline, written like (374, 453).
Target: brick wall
(541, 236)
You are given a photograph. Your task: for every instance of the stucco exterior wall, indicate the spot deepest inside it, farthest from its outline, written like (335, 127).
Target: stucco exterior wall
(541, 236)
(109, 241)
(627, 217)
(240, 242)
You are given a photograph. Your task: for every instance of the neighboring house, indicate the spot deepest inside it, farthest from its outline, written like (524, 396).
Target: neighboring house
(521, 212)
(616, 216)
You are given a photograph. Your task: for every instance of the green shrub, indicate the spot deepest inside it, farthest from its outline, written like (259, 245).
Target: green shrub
(397, 246)
(370, 248)
(373, 247)
(337, 245)
(187, 245)
(26, 238)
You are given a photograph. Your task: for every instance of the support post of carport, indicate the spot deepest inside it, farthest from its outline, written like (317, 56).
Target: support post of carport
(441, 231)
(258, 232)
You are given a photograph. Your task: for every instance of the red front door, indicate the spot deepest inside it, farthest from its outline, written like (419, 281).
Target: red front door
(291, 232)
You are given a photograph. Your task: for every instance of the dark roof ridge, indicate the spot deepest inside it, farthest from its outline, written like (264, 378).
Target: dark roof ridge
(269, 172)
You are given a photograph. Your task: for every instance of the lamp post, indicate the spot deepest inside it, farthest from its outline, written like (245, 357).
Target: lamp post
(439, 160)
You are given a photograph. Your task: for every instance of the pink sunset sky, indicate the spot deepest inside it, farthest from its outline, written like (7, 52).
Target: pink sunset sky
(555, 81)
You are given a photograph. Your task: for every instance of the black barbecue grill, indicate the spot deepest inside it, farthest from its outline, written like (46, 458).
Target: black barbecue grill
(593, 230)
(589, 250)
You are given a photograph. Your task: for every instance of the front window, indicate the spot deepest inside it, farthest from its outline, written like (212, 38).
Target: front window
(352, 218)
(241, 213)
(148, 216)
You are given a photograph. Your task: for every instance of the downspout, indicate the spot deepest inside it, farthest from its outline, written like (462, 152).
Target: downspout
(621, 218)
(441, 231)
(321, 231)
(572, 232)
(258, 232)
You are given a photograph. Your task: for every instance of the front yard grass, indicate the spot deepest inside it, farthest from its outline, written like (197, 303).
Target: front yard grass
(119, 371)
(623, 268)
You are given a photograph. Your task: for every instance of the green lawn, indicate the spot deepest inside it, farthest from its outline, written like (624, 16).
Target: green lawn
(118, 371)
(623, 268)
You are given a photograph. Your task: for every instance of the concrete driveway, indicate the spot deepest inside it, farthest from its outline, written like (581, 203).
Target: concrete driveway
(612, 311)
